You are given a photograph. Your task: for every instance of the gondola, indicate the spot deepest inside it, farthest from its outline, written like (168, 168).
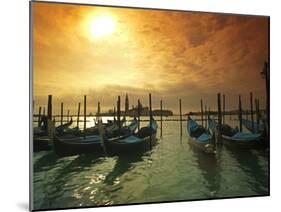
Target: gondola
(200, 137)
(110, 126)
(253, 127)
(64, 127)
(73, 145)
(232, 137)
(139, 141)
(41, 143)
(41, 139)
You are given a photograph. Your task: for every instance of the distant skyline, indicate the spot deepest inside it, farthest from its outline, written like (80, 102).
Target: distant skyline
(104, 52)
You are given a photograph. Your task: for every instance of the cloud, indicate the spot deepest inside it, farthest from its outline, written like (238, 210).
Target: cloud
(171, 54)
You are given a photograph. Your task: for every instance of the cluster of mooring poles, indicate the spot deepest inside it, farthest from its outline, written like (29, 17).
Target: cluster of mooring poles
(221, 114)
(204, 113)
(117, 114)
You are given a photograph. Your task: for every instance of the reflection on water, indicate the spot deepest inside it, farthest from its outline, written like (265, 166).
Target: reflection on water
(210, 170)
(172, 170)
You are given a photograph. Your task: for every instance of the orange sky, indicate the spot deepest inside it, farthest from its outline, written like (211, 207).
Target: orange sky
(170, 54)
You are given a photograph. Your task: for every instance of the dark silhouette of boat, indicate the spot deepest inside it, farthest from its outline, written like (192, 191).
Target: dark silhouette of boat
(253, 127)
(41, 139)
(141, 140)
(78, 144)
(232, 137)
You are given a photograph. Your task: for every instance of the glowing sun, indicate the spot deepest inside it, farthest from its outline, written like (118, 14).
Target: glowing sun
(101, 26)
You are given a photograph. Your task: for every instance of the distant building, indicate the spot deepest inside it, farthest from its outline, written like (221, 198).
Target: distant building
(144, 111)
(133, 112)
(163, 112)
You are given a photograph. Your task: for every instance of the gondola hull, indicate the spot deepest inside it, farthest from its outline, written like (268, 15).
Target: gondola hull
(253, 127)
(207, 147)
(116, 147)
(199, 137)
(75, 145)
(67, 147)
(235, 139)
(143, 140)
(42, 143)
(240, 143)
(41, 139)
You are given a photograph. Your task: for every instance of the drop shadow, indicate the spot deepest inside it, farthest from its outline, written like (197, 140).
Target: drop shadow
(23, 206)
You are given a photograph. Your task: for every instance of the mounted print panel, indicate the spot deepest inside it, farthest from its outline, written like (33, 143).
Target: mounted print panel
(135, 105)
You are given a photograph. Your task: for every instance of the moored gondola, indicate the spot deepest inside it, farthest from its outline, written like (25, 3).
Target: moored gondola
(41, 139)
(232, 137)
(73, 144)
(200, 137)
(253, 127)
(139, 141)
(64, 127)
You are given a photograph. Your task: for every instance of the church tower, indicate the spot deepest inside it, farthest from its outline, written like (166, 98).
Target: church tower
(126, 104)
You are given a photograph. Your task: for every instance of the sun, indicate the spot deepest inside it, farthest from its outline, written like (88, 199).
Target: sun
(102, 26)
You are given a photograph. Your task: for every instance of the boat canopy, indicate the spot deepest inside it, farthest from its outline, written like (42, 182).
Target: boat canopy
(204, 137)
(246, 136)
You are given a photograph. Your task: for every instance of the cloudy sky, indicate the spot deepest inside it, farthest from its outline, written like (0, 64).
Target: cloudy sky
(104, 52)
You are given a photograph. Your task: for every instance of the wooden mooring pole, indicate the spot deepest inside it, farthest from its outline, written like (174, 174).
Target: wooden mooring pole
(50, 107)
(126, 107)
(101, 129)
(67, 115)
(219, 118)
(257, 114)
(258, 124)
(114, 113)
(138, 111)
(223, 109)
(50, 124)
(39, 117)
(240, 114)
(150, 120)
(161, 119)
(202, 118)
(85, 114)
(98, 112)
(44, 112)
(119, 114)
(180, 118)
(266, 74)
(251, 105)
(206, 116)
(78, 114)
(61, 113)
(266, 120)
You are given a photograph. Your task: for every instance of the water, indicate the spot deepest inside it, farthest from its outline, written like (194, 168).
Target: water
(173, 170)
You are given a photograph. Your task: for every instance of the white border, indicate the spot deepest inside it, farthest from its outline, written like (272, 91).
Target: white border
(15, 91)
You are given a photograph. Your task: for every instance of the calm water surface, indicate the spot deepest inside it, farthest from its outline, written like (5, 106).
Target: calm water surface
(172, 170)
